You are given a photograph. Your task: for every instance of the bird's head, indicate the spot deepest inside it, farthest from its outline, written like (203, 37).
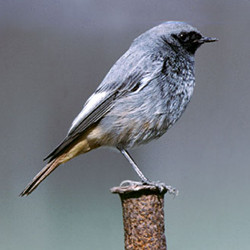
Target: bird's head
(181, 36)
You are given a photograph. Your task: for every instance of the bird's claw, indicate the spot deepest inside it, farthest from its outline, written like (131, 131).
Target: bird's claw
(130, 183)
(162, 186)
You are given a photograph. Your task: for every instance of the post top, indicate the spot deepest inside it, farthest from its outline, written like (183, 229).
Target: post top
(127, 187)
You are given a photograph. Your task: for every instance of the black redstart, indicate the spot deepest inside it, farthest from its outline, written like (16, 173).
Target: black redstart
(142, 96)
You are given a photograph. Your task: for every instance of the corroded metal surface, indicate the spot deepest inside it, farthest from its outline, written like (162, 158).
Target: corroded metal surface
(143, 217)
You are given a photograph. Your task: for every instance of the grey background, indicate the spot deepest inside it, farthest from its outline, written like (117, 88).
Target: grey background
(53, 54)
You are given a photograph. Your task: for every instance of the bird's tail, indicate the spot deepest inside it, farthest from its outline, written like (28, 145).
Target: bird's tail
(46, 171)
(79, 146)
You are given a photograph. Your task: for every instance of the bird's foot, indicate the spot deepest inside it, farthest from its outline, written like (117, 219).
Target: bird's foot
(162, 187)
(130, 183)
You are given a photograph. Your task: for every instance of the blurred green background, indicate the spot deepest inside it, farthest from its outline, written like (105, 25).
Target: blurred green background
(53, 55)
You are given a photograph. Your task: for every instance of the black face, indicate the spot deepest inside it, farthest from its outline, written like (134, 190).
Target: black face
(189, 40)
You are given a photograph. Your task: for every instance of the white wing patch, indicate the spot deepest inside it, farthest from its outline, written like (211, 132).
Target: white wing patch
(89, 106)
(145, 80)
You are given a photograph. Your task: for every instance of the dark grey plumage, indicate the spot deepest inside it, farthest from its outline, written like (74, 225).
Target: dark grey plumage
(148, 88)
(144, 93)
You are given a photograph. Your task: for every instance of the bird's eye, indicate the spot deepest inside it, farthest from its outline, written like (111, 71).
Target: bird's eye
(188, 37)
(184, 37)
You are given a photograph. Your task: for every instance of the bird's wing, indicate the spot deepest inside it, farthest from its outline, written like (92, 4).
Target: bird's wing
(94, 109)
(96, 106)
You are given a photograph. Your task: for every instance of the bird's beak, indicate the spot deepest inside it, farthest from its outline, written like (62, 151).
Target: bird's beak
(205, 39)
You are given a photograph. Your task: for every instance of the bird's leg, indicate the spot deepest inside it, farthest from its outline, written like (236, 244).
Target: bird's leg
(145, 181)
(135, 167)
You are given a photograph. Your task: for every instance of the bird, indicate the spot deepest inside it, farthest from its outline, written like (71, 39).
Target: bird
(144, 93)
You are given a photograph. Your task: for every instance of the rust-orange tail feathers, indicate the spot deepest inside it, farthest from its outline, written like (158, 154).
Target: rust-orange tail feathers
(67, 150)
(46, 171)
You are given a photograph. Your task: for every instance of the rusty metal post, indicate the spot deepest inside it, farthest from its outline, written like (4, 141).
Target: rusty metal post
(143, 216)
